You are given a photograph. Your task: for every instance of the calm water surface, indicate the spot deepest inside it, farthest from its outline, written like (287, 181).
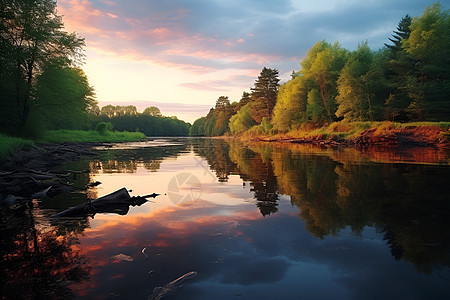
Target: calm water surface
(253, 221)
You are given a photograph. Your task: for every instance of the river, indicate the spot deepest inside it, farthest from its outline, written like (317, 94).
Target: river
(241, 221)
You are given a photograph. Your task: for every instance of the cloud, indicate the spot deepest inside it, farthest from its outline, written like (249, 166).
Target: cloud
(204, 36)
(204, 43)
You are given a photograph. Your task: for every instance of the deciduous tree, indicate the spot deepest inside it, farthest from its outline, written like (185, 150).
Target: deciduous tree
(323, 64)
(31, 34)
(152, 111)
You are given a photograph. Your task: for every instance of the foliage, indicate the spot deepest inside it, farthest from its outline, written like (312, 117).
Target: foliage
(216, 122)
(264, 94)
(408, 80)
(359, 84)
(152, 111)
(290, 108)
(32, 36)
(198, 128)
(401, 34)
(241, 121)
(82, 136)
(322, 65)
(64, 97)
(102, 128)
(150, 122)
(9, 144)
(112, 111)
(428, 83)
(314, 109)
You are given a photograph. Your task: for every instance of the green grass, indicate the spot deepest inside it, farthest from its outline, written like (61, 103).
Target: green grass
(350, 130)
(80, 136)
(9, 144)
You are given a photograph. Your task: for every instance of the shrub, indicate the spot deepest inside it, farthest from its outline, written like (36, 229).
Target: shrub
(102, 128)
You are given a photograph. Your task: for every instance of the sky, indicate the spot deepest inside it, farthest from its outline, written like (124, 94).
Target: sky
(182, 55)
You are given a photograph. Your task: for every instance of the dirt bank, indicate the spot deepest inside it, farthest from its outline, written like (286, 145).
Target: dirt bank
(426, 136)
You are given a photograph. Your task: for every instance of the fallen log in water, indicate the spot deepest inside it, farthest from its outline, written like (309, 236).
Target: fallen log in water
(117, 202)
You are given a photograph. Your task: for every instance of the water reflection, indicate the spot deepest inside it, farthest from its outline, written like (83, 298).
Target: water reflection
(38, 262)
(409, 203)
(272, 221)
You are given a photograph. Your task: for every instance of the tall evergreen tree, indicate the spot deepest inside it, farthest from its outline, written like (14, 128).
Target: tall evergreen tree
(400, 64)
(402, 33)
(428, 84)
(264, 94)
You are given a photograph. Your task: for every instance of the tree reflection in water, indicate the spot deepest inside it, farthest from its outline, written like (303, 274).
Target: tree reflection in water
(338, 189)
(37, 261)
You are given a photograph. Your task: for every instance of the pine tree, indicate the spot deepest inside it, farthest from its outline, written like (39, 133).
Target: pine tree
(402, 33)
(264, 94)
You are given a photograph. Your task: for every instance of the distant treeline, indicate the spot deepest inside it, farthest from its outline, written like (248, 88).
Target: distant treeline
(407, 80)
(42, 86)
(150, 122)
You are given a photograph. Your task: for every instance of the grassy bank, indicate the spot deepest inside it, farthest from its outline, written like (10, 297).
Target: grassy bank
(9, 144)
(352, 130)
(80, 136)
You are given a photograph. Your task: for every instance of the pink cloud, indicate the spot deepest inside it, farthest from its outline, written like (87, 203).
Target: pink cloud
(159, 39)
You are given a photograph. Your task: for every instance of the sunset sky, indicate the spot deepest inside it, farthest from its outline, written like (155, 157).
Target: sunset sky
(181, 55)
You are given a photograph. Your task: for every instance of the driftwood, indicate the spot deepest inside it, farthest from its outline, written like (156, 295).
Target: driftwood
(117, 202)
(32, 184)
(161, 291)
(25, 173)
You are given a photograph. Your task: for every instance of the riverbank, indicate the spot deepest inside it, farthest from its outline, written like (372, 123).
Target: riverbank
(29, 168)
(9, 144)
(82, 136)
(363, 134)
(31, 172)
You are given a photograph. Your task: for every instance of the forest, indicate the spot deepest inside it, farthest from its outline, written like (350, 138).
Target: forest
(408, 80)
(43, 86)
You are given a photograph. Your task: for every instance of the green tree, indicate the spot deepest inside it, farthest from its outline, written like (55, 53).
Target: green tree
(222, 103)
(245, 98)
(108, 110)
(354, 97)
(428, 83)
(31, 35)
(64, 97)
(241, 121)
(209, 125)
(129, 110)
(152, 111)
(402, 33)
(400, 64)
(221, 125)
(291, 104)
(198, 128)
(323, 64)
(314, 108)
(264, 94)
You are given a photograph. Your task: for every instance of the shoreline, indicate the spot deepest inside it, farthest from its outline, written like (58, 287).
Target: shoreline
(387, 136)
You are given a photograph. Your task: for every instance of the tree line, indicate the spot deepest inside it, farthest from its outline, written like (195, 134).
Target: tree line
(151, 122)
(407, 80)
(42, 85)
